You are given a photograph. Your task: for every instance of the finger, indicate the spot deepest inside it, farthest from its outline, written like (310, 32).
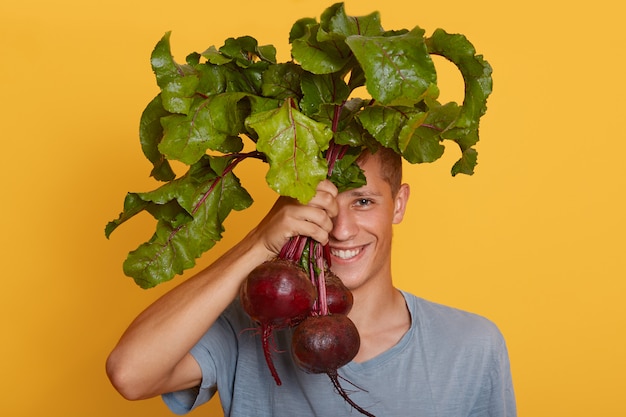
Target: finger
(317, 216)
(325, 198)
(328, 186)
(314, 231)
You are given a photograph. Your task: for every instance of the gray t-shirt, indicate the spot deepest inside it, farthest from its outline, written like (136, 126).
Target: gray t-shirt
(449, 364)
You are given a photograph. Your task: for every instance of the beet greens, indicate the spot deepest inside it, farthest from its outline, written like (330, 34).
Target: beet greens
(290, 113)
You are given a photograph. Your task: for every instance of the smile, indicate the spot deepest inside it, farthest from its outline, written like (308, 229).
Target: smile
(345, 254)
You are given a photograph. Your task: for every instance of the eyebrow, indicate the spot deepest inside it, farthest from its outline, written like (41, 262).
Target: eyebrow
(363, 193)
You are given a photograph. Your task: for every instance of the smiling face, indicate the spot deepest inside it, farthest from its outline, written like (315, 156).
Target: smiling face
(360, 242)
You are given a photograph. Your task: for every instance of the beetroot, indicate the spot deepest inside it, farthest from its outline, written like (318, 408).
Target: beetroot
(276, 294)
(339, 298)
(279, 293)
(323, 344)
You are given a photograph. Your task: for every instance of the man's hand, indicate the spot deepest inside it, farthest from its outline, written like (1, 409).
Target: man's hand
(288, 218)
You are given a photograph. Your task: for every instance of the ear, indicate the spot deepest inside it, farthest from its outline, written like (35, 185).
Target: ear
(400, 203)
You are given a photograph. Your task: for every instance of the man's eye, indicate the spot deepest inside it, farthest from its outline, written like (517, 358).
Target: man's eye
(363, 202)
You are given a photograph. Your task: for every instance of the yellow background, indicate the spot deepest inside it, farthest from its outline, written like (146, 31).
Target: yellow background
(534, 240)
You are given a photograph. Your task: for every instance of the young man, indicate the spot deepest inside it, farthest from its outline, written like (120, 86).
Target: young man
(416, 357)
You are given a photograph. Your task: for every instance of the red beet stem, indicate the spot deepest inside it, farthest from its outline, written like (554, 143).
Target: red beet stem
(318, 258)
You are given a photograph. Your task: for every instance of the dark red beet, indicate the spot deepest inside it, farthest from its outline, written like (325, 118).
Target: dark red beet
(338, 297)
(323, 344)
(277, 294)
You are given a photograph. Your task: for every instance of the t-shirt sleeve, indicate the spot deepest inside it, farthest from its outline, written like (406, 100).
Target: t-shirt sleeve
(497, 397)
(477, 349)
(216, 354)
(502, 402)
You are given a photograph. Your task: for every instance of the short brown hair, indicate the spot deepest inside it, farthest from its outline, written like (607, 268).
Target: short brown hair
(390, 166)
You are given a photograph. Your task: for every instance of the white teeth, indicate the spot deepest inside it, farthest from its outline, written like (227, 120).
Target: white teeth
(345, 254)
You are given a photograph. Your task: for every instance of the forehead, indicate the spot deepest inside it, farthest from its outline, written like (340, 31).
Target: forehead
(372, 166)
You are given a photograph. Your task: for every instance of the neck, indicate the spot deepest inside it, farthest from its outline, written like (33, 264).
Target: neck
(370, 306)
(382, 319)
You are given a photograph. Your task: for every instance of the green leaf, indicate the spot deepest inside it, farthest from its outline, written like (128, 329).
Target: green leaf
(183, 189)
(398, 69)
(385, 123)
(419, 143)
(346, 173)
(355, 135)
(239, 72)
(349, 110)
(193, 59)
(475, 70)
(240, 49)
(402, 129)
(212, 79)
(467, 162)
(319, 57)
(477, 78)
(210, 123)
(177, 82)
(231, 144)
(216, 57)
(336, 24)
(175, 246)
(246, 80)
(178, 94)
(299, 28)
(132, 206)
(260, 104)
(163, 64)
(168, 211)
(150, 135)
(281, 81)
(322, 89)
(267, 53)
(293, 144)
(243, 51)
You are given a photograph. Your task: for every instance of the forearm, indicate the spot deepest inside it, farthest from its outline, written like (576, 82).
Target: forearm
(147, 359)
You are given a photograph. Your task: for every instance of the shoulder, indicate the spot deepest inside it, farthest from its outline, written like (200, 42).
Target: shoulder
(235, 317)
(450, 324)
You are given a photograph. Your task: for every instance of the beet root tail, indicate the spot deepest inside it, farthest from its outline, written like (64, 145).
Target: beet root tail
(335, 379)
(265, 340)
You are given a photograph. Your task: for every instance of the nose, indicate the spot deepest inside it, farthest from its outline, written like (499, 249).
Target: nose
(345, 226)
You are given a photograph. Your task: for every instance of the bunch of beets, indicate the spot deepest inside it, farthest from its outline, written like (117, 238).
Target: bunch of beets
(297, 289)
